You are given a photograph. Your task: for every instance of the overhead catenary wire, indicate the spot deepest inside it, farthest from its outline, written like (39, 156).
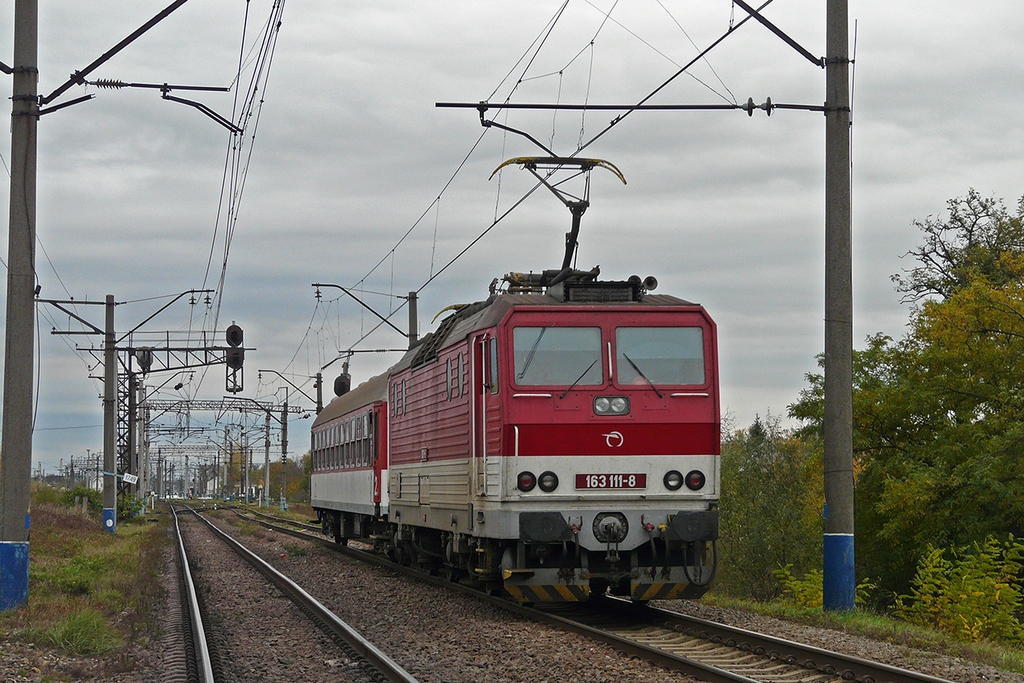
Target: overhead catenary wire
(703, 53)
(659, 88)
(529, 56)
(246, 111)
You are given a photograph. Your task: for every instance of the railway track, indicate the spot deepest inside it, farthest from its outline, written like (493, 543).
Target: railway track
(706, 650)
(731, 654)
(202, 660)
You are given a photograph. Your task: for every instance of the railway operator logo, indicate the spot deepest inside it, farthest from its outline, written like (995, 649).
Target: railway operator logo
(614, 439)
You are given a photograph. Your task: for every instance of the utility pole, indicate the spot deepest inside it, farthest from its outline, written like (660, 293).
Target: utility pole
(16, 450)
(143, 441)
(244, 441)
(109, 420)
(838, 567)
(265, 498)
(160, 466)
(284, 453)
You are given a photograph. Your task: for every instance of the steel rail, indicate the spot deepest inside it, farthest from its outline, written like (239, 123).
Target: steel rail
(668, 660)
(204, 665)
(778, 650)
(807, 656)
(386, 666)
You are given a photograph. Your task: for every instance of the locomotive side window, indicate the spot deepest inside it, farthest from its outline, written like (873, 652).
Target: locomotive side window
(546, 356)
(492, 379)
(448, 376)
(659, 355)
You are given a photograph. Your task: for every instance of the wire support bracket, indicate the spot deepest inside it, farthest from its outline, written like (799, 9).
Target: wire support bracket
(816, 61)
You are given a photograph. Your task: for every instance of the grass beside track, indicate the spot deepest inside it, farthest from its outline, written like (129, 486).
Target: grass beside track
(880, 627)
(91, 593)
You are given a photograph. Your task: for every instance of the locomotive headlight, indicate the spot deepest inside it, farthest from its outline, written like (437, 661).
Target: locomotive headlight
(526, 481)
(673, 480)
(695, 480)
(548, 481)
(611, 405)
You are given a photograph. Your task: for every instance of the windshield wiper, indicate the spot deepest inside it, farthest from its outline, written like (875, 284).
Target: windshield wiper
(579, 378)
(529, 356)
(641, 373)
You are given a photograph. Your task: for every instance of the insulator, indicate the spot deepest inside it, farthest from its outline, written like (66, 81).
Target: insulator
(108, 83)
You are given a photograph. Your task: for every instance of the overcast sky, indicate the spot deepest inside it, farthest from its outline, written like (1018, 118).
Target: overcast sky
(350, 153)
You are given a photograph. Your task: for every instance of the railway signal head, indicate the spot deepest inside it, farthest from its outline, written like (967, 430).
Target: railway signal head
(144, 356)
(234, 335)
(234, 357)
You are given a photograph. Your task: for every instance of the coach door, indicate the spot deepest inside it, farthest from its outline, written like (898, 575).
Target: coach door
(486, 463)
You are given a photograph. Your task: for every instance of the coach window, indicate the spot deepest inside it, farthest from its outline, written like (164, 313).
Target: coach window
(354, 441)
(557, 356)
(357, 442)
(659, 355)
(339, 444)
(348, 443)
(336, 447)
(345, 442)
(371, 430)
(366, 440)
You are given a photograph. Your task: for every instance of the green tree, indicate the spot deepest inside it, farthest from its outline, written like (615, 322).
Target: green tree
(939, 415)
(969, 244)
(771, 502)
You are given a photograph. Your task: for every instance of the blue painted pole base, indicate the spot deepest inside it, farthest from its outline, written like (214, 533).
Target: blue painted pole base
(13, 574)
(109, 519)
(839, 589)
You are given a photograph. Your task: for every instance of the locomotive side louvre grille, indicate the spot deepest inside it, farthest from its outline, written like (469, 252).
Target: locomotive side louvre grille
(428, 349)
(601, 292)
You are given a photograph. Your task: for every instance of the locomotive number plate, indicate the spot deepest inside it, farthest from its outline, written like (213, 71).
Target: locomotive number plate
(611, 481)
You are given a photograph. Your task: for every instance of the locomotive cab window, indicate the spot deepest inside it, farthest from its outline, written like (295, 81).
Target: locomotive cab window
(659, 355)
(557, 356)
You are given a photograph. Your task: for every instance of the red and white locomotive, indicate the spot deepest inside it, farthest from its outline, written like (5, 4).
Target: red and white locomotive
(556, 440)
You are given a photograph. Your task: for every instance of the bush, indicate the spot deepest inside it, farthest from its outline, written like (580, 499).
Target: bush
(809, 591)
(67, 498)
(975, 595)
(129, 506)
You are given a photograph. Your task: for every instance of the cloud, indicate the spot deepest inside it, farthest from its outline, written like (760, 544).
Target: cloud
(351, 153)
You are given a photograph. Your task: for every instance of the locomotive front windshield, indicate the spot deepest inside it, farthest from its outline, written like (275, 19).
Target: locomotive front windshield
(557, 356)
(659, 355)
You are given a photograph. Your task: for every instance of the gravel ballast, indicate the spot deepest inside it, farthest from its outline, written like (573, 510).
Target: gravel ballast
(436, 634)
